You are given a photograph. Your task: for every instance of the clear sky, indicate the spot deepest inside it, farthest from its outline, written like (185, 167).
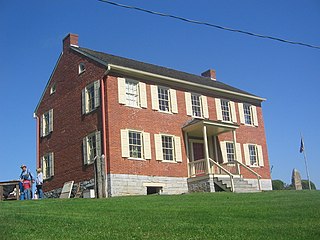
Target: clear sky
(288, 76)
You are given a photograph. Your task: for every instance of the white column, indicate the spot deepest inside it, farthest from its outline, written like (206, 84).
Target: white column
(187, 153)
(206, 152)
(235, 149)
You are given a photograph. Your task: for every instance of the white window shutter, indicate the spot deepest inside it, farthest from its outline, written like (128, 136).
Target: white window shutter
(154, 97)
(260, 155)
(173, 98)
(218, 108)
(50, 120)
(44, 167)
(204, 103)
(246, 154)
(96, 93)
(85, 152)
(122, 90)
(187, 97)
(177, 148)
(146, 146)
(255, 116)
(125, 143)
(239, 154)
(41, 125)
(98, 143)
(158, 146)
(233, 112)
(83, 101)
(52, 164)
(241, 113)
(223, 147)
(143, 95)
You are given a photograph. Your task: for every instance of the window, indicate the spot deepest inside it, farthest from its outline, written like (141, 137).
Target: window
(82, 68)
(230, 152)
(91, 97)
(196, 105)
(53, 89)
(47, 164)
(135, 144)
(91, 147)
(164, 99)
(168, 148)
(46, 124)
(253, 155)
(132, 93)
(248, 114)
(225, 110)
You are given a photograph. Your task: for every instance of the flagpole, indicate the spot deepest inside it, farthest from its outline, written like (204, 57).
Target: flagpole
(305, 162)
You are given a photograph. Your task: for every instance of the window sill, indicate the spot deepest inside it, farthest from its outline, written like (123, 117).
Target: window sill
(165, 112)
(137, 107)
(137, 159)
(167, 161)
(81, 72)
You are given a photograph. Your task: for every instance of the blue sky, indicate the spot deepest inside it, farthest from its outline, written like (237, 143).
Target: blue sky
(31, 34)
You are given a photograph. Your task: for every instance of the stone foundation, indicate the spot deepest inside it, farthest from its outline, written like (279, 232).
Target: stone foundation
(201, 184)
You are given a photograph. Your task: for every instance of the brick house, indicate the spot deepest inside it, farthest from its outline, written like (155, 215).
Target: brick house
(138, 128)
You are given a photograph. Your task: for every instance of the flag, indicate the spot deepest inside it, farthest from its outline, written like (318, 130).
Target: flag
(301, 146)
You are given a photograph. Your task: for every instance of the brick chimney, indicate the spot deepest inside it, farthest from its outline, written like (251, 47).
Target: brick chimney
(70, 40)
(210, 74)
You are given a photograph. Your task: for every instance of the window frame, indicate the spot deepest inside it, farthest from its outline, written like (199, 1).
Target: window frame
(95, 139)
(226, 104)
(46, 124)
(47, 165)
(164, 148)
(193, 106)
(91, 97)
(81, 68)
(141, 145)
(168, 101)
(137, 94)
(247, 114)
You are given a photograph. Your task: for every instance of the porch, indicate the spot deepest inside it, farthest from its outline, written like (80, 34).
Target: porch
(206, 160)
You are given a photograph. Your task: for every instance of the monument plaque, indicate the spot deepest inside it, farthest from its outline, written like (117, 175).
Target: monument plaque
(296, 180)
(66, 190)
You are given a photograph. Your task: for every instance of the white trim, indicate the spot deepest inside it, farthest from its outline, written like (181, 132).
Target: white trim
(187, 96)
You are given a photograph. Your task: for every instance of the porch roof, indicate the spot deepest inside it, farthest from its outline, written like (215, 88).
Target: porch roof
(195, 127)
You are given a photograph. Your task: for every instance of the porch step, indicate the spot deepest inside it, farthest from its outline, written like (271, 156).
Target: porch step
(240, 185)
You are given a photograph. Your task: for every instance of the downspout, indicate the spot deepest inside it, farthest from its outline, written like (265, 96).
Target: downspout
(37, 140)
(104, 134)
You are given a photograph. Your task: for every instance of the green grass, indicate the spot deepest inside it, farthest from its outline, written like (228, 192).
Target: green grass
(267, 215)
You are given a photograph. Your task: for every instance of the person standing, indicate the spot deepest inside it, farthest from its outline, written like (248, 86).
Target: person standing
(26, 175)
(39, 182)
(27, 188)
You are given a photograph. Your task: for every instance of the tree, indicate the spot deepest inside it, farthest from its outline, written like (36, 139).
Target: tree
(278, 185)
(305, 184)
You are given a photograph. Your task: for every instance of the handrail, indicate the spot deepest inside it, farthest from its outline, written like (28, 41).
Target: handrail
(250, 170)
(225, 170)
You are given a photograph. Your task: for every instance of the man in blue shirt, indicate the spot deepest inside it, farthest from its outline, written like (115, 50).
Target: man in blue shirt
(26, 175)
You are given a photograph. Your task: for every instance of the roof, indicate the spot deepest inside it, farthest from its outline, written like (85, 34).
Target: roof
(106, 59)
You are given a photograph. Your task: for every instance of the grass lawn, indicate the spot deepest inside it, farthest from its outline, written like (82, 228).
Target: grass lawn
(267, 215)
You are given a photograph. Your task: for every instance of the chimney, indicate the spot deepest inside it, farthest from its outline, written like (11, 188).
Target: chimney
(70, 40)
(209, 74)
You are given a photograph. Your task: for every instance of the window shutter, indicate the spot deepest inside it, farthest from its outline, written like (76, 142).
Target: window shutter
(98, 143)
(158, 147)
(125, 143)
(96, 93)
(173, 98)
(83, 101)
(85, 153)
(122, 90)
(239, 154)
(187, 97)
(44, 167)
(177, 148)
(218, 109)
(41, 125)
(205, 106)
(154, 97)
(255, 117)
(241, 113)
(52, 164)
(246, 154)
(146, 145)
(50, 120)
(260, 155)
(143, 95)
(223, 147)
(233, 112)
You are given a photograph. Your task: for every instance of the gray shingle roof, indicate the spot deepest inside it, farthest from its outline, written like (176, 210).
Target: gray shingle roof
(105, 58)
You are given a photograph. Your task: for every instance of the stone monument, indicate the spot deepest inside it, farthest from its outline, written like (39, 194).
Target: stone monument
(296, 180)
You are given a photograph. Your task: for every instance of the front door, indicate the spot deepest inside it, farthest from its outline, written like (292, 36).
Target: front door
(197, 150)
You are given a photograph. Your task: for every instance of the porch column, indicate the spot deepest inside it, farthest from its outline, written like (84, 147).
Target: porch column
(235, 150)
(206, 149)
(186, 138)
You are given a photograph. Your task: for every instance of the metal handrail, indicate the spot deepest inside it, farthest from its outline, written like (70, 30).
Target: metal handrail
(257, 174)
(225, 170)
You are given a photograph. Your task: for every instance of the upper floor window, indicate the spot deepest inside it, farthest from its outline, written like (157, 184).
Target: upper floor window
(253, 154)
(132, 93)
(53, 89)
(164, 99)
(168, 148)
(135, 144)
(225, 110)
(81, 68)
(46, 123)
(196, 105)
(91, 147)
(91, 97)
(248, 114)
(47, 164)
